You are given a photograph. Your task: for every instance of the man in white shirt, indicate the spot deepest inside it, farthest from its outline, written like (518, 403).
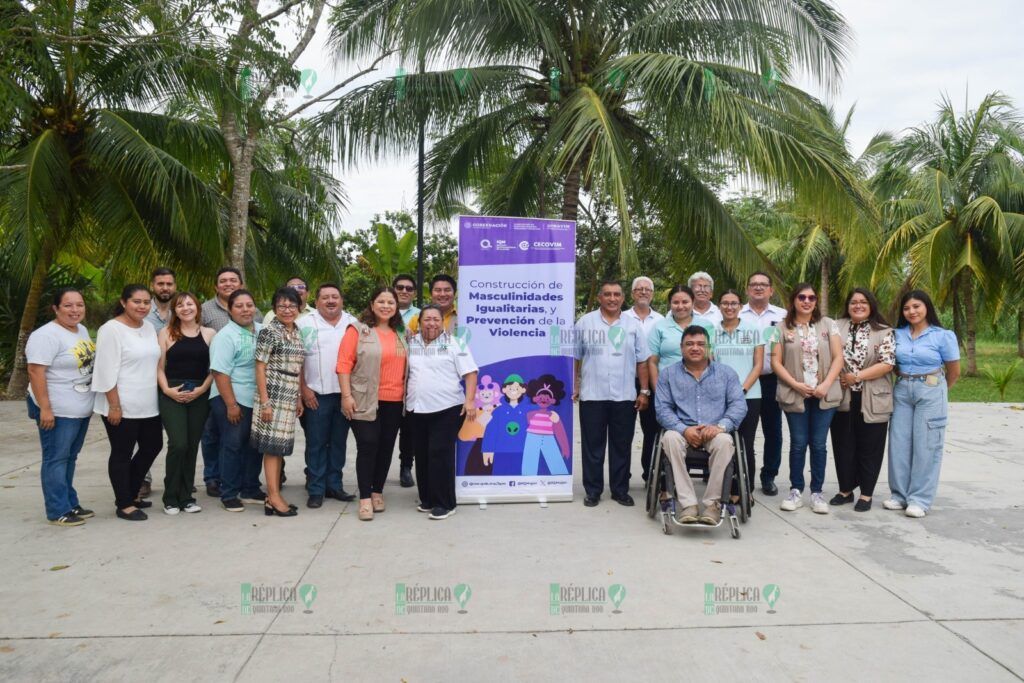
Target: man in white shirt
(703, 286)
(647, 317)
(611, 353)
(325, 426)
(759, 312)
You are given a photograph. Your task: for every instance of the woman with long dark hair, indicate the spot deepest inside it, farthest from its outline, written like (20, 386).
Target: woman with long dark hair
(928, 363)
(372, 371)
(807, 360)
(860, 424)
(125, 381)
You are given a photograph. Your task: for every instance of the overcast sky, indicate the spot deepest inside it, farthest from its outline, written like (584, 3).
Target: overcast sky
(906, 53)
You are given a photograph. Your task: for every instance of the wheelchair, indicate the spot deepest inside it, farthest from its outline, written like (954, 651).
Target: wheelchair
(660, 480)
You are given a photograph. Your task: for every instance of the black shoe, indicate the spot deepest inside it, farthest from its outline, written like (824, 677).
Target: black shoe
(233, 505)
(591, 501)
(840, 499)
(193, 489)
(81, 512)
(271, 511)
(862, 505)
(624, 499)
(213, 490)
(342, 495)
(145, 490)
(405, 478)
(68, 519)
(133, 516)
(143, 504)
(315, 502)
(769, 488)
(254, 498)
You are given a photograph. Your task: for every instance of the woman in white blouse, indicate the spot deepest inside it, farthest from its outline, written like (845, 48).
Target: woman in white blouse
(125, 381)
(434, 401)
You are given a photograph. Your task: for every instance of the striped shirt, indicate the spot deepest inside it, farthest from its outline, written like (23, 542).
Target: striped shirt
(540, 423)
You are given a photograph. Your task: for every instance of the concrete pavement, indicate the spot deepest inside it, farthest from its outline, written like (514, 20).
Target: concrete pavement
(872, 595)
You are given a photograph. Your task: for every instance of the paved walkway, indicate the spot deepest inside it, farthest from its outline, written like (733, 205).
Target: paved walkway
(866, 596)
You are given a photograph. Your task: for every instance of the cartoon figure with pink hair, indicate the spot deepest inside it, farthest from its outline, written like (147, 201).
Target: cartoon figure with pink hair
(545, 433)
(488, 396)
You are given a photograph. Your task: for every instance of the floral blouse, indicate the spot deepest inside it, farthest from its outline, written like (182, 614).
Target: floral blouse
(809, 340)
(858, 344)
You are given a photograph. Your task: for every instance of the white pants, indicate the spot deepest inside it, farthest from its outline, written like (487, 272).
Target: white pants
(721, 449)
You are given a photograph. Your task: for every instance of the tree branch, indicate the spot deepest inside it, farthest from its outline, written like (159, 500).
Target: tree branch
(307, 35)
(339, 86)
(278, 12)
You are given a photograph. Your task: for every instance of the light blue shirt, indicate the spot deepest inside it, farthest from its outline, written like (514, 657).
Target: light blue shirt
(232, 353)
(736, 349)
(928, 352)
(608, 354)
(408, 314)
(667, 337)
(155, 320)
(681, 400)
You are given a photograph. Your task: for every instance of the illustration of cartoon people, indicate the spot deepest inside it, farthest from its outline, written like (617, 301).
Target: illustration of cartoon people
(506, 432)
(488, 396)
(545, 433)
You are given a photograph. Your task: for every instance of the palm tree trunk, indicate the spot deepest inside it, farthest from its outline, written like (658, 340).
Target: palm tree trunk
(825, 277)
(19, 376)
(972, 326)
(571, 195)
(1020, 330)
(238, 218)
(958, 311)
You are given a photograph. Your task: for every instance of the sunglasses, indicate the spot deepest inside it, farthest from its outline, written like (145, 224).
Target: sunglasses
(807, 297)
(405, 288)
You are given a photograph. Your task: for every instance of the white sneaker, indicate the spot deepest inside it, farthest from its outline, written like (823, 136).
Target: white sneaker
(171, 510)
(192, 507)
(793, 501)
(914, 511)
(422, 508)
(893, 504)
(818, 503)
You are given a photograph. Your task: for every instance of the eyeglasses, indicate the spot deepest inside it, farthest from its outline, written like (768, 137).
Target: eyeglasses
(287, 307)
(701, 288)
(644, 290)
(807, 297)
(300, 287)
(404, 288)
(760, 285)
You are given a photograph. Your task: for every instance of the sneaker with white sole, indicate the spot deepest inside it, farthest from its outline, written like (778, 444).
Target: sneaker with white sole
(914, 511)
(793, 501)
(423, 508)
(893, 504)
(441, 513)
(171, 509)
(192, 508)
(819, 504)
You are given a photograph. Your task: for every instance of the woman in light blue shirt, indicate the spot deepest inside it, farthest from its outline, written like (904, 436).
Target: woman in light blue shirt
(738, 344)
(927, 362)
(667, 336)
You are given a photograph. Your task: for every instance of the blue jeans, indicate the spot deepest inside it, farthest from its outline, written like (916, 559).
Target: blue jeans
(211, 450)
(61, 446)
(240, 463)
(546, 445)
(326, 431)
(917, 432)
(809, 428)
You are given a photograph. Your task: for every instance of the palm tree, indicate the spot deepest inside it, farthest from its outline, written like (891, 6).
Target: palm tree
(958, 212)
(77, 170)
(611, 97)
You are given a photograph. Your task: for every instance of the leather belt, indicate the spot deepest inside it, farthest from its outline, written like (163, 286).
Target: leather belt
(905, 375)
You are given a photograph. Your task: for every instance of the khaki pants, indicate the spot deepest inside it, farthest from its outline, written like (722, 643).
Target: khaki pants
(721, 449)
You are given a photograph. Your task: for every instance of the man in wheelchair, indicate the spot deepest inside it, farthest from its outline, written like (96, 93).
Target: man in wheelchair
(699, 402)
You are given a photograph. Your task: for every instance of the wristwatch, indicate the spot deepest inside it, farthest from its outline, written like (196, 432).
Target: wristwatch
(645, 392)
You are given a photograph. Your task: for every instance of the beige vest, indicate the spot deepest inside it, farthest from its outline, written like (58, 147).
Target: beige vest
(875, 394)
(790, 400)
(365, 378)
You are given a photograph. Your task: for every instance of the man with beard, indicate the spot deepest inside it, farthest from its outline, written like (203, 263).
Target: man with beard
(164, 285)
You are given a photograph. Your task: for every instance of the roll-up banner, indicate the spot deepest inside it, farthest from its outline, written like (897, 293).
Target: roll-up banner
(517, 279)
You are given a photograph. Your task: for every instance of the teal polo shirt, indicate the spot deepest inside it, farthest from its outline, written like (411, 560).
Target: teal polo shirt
(233, 354)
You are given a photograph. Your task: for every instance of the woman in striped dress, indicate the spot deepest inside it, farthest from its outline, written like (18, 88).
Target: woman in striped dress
(279, 355)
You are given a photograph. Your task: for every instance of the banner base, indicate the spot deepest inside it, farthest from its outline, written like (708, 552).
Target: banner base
(542, 500)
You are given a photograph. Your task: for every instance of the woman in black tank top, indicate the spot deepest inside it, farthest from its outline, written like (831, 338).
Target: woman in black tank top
(184, 378)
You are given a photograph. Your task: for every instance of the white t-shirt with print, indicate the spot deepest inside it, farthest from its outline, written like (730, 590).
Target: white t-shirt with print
(68, 357)
(126, 358)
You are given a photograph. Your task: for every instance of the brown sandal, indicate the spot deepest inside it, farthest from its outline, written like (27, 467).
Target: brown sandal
(378, 502)
(365, 510)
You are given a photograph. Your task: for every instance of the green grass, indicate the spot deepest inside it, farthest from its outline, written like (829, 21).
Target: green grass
(997, 355)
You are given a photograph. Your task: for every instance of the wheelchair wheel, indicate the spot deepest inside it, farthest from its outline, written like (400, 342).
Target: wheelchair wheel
(742, 478)
(654, 479)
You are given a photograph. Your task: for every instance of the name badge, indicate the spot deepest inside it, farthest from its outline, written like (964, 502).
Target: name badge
(932, 380)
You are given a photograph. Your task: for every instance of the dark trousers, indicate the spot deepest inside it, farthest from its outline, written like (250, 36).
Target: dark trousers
(747, 430)
(326, 430)
(771, 428)
(184, 424)
(127, 466)
(211, 451)
(375, 444)
(858, 447)
(239, 462)
(610, 423)
(650, 428)
(433, 438)
(406, 449)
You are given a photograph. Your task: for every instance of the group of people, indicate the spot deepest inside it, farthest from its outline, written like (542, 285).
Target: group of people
(223, 376)
(704, 371)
